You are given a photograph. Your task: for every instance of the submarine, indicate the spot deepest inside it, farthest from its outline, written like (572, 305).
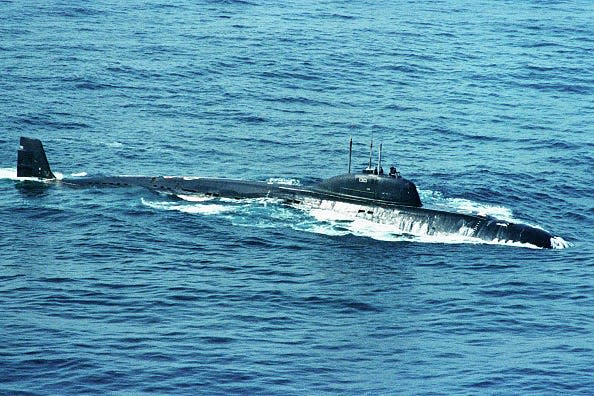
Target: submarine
(371, 192)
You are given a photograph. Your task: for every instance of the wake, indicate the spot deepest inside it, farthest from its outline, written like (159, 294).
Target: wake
(335, 218)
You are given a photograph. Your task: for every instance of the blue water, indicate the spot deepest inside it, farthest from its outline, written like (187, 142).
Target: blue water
(487, 105)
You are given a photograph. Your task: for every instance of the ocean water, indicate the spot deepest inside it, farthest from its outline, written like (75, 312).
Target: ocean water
(487, 105)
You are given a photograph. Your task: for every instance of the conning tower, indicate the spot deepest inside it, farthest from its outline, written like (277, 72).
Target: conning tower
(372, 185)
(370, 188)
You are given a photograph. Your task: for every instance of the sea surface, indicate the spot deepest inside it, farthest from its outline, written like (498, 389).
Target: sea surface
(488, 106)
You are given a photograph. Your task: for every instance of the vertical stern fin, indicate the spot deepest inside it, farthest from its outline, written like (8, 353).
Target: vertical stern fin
(32, 161)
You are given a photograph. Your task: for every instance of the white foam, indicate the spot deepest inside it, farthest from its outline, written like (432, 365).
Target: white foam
(205, 198)
(331, 218)
(11, 174)
(263, 201)
(338, 218)
(205, 209)
(559, 243)
(8, 173)
(436, 200)
(195, 198)
(324, 229)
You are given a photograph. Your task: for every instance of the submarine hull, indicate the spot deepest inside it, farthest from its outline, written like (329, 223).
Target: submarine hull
(409, 219)
(386, 198)
(422, 221)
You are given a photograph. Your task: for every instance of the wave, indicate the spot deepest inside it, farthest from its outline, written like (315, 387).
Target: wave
(436, 200)
(11, 174)
(203, 208)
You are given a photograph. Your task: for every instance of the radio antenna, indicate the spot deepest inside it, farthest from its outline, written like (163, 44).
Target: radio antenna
(370, 151)
(379, 159)
(350, 153)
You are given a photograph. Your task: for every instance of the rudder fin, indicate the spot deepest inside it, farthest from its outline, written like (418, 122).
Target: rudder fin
(32, 161)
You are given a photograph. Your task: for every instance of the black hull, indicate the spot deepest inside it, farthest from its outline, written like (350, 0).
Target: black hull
(385, 198)
(432, 222)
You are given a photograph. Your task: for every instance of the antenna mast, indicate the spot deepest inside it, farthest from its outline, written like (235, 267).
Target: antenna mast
(370, 151)
(379, 159)
(350, 153)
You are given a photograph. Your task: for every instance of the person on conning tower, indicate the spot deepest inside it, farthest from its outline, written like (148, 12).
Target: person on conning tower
(392, 171)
